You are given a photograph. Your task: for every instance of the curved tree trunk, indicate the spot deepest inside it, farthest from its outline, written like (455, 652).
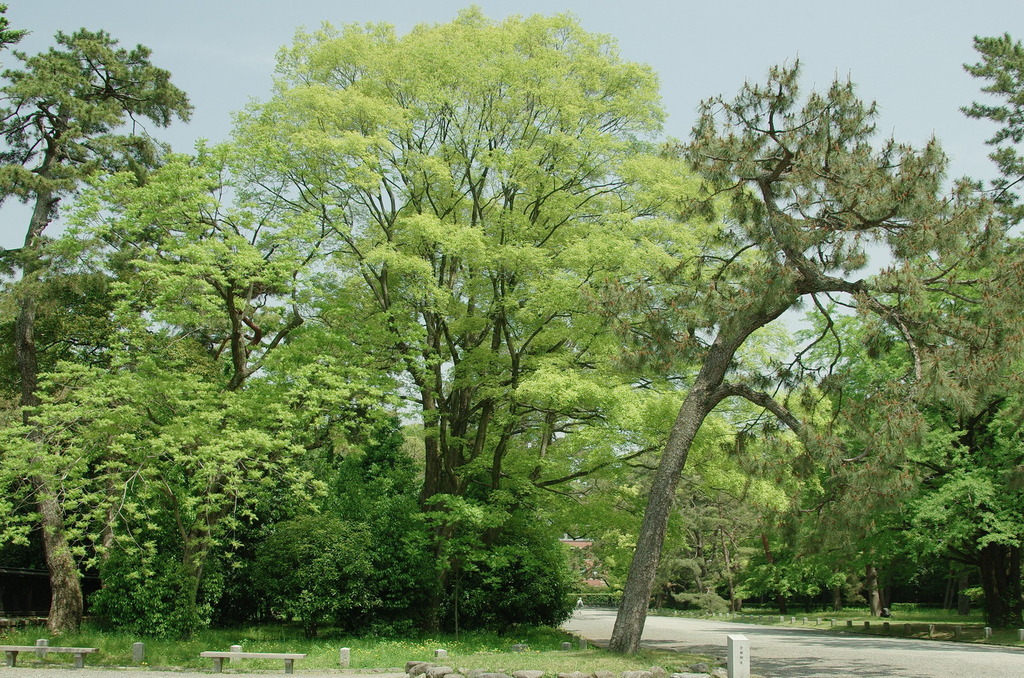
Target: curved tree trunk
(66, 602)
(629, 623)
(707, 391)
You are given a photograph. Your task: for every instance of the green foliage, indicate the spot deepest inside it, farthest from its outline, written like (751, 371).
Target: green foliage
(63, 111)
(64, 114)
(1002, 68)
(521, 580)
(471, 178)
(8, 35)
(145, 594)
(378, 486)
(315, 570)
(469, 220)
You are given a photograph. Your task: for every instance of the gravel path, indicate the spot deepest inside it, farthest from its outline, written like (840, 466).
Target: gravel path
(802, 653)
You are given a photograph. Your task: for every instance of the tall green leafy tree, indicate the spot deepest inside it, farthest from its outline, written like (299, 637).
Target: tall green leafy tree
(66, 114)
(802, 190)
(177, 441)
(958, 484)
(475, 179)
(954, 494)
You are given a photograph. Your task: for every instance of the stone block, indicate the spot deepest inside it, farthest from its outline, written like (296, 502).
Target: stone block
(439, 671)
(739, 656)
(417, 668)
(527, 674)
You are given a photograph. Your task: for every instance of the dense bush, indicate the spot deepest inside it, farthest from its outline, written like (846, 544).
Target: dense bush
(147, 595)
(316, 570)
(524, 579)
(379, 485)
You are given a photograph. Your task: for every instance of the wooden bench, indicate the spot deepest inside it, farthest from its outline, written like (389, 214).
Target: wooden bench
(219, 657)
(12, 652)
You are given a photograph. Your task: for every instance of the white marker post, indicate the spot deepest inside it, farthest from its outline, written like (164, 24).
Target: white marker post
(739, 657)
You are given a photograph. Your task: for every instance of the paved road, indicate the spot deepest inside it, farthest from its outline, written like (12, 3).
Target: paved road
(802, 653)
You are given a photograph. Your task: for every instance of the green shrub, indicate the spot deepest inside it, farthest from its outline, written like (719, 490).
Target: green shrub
(147, 595)
(524, 579)
(316, 570)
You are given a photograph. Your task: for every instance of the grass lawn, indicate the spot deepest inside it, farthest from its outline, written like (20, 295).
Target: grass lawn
(474, 650)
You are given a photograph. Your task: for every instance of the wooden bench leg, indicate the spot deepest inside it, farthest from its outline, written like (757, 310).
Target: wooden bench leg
(79, 660)
(218, 664)
(288, 663)
(12, 657)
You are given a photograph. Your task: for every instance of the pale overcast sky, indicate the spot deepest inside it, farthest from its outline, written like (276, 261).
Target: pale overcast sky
(905, 54)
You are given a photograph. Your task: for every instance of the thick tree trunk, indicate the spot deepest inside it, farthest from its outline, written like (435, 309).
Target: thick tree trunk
(871, 584)
(963, 602)
(25, 350)
(705, 394)
(629, 623)
(66, 604)
(837, 598)
(1000, 579)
